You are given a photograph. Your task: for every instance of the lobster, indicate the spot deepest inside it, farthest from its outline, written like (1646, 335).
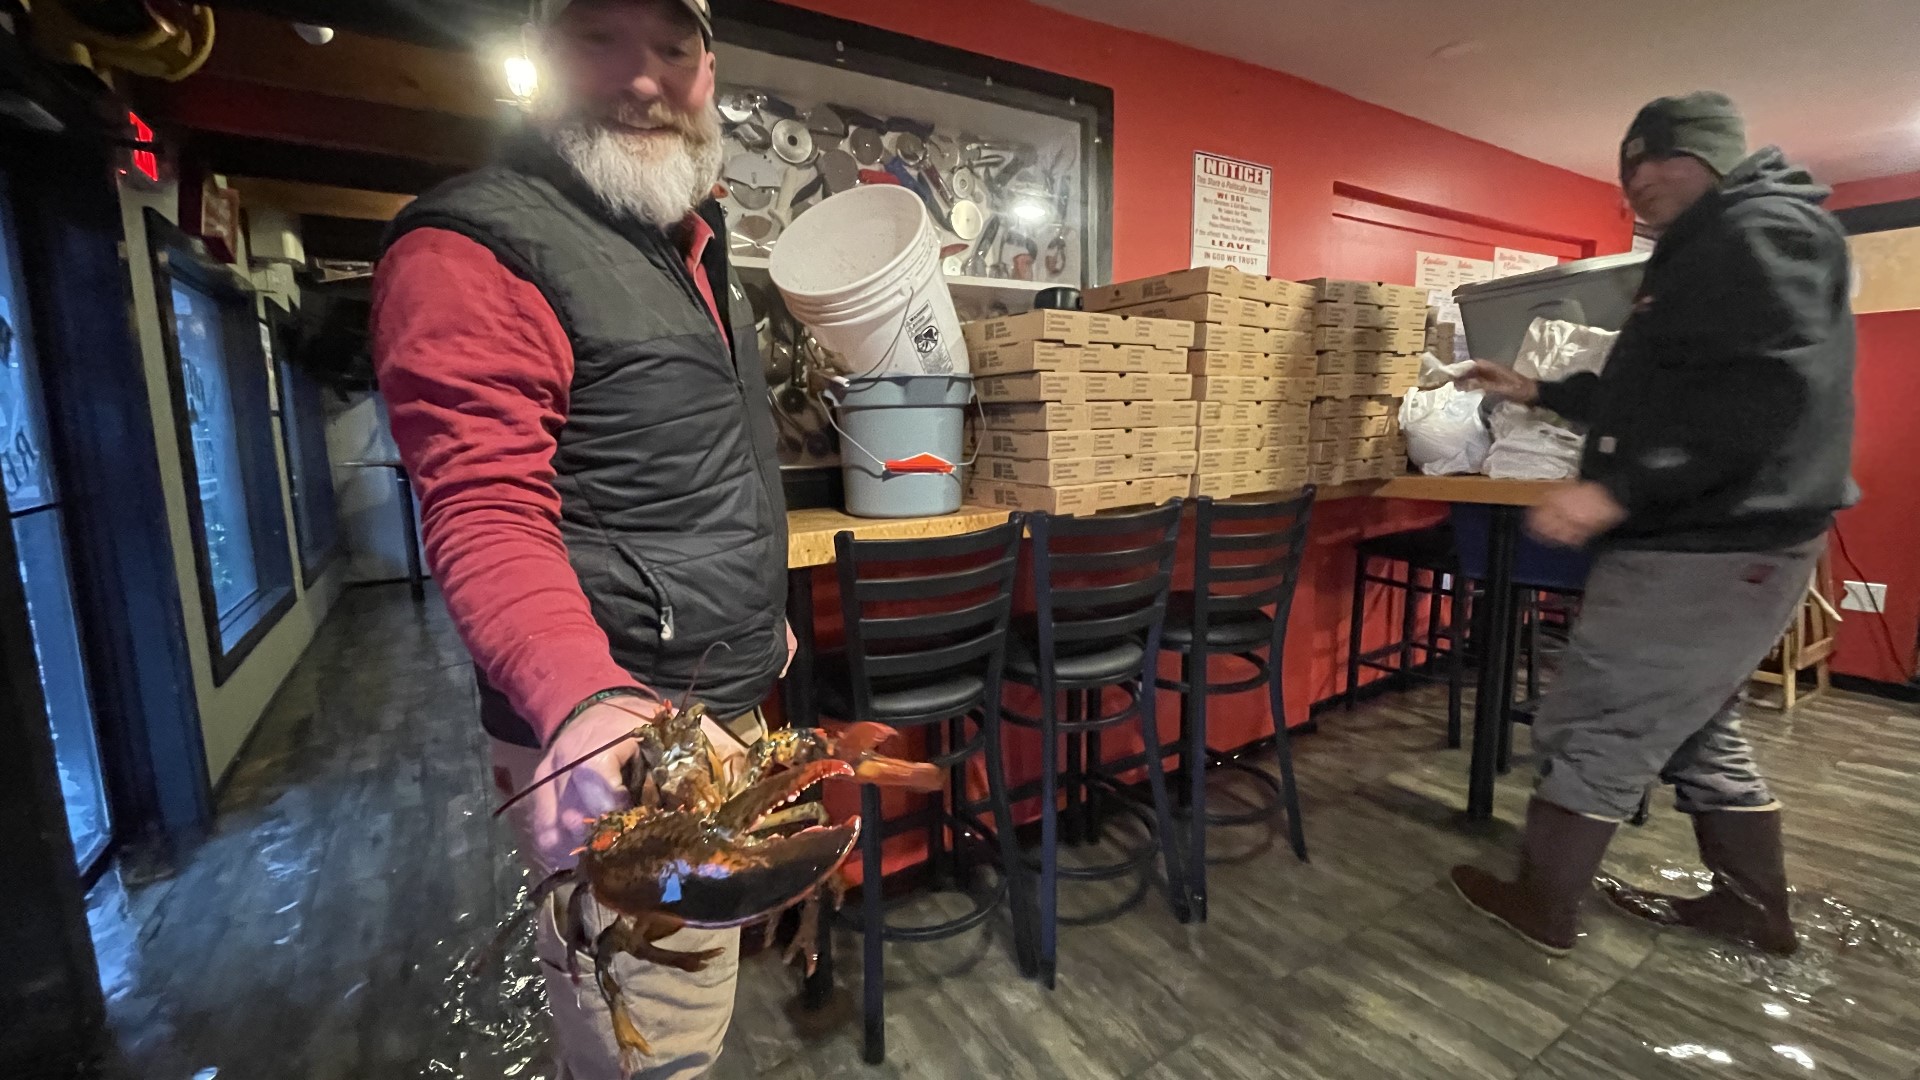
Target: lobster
(712, 846)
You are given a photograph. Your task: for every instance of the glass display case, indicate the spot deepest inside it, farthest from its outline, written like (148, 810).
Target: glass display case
(1013, 164)
(37, 518)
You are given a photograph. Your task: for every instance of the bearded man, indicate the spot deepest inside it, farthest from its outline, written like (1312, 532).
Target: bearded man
(575, 389)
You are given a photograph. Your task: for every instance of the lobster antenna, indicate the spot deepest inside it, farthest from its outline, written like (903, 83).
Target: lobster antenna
(576, 762)
(697, 669)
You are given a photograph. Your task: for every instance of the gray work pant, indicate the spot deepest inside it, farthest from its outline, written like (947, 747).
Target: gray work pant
(1663, 646)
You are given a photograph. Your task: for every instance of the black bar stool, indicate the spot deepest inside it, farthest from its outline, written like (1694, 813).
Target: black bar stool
(1431, 572)
(1246, 558)
(925, 649)
(1100, 592)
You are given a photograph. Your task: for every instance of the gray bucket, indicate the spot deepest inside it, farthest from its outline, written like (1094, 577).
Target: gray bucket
(900, 442)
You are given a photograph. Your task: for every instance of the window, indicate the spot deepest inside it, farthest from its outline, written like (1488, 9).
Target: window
(36, 516)
(223, 420)
(303, 434)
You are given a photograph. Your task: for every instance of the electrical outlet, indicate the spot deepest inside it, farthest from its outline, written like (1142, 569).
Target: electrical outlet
(1864, 596)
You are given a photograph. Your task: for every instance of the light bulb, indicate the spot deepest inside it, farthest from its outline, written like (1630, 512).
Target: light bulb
(523, 79)
(312, 34)
(1031, 211)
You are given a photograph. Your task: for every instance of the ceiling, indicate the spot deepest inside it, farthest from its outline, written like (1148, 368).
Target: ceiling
(1836, 84)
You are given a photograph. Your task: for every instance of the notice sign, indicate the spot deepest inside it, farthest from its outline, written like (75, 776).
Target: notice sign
(1232, 213)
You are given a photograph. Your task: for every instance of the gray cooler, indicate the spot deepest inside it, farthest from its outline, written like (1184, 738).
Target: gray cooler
(1592, 292)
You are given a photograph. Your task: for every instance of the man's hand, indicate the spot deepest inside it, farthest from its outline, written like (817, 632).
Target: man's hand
(1500, 381)
(560, 809)
(1572, 516)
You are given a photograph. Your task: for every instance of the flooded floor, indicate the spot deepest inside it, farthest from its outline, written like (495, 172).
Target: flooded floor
(319, 932)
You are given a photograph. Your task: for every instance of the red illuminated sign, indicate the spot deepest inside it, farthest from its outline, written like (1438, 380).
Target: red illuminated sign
(146, 162)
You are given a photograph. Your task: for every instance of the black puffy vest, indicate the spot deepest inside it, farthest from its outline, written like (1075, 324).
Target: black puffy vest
(669, 481)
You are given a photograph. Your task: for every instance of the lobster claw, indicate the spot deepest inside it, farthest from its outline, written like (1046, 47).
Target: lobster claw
(737, 886)
(858, 744)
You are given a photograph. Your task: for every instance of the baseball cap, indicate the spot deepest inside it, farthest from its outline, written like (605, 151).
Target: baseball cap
(701, 10)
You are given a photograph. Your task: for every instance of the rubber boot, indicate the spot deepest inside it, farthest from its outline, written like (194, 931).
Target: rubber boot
(1748, 900)
(1558, 857)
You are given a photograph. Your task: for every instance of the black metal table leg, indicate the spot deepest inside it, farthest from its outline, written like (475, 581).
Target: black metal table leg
(803, 710)
(416, 578)
(1495, 615)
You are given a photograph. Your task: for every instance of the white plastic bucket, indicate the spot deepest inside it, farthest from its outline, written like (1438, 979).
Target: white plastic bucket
(862, 271)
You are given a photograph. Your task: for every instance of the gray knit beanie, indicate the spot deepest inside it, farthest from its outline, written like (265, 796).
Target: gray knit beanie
(1703, 124)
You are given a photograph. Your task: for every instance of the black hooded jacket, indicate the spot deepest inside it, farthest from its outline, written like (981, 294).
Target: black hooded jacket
(1724, 418)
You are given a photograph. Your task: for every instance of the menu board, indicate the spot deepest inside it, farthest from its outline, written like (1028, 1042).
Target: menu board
(1508, 262)
(1440, 275)
(1232, 213)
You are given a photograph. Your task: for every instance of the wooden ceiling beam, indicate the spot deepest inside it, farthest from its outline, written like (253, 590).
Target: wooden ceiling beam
(268, 159)
(213, 103)
(264, 50)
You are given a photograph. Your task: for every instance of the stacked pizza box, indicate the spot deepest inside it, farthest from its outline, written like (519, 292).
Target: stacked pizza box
(1251, 358)
(1368, 337)
(1080, 411)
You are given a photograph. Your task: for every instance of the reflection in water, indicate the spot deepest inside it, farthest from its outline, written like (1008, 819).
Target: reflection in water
(1830, 931)
(1688, 1051)
(1795, 1054)
(116, 936)
(497, 1017)
(1816, 990)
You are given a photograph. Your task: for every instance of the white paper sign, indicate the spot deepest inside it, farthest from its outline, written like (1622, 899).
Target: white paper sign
(1440, 275)
(1232, 213)
(1508, 262)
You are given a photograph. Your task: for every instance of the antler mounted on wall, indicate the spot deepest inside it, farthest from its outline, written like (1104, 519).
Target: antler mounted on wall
(160, 39)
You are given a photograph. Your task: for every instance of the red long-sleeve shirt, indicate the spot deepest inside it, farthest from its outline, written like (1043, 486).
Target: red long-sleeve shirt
(475, 368)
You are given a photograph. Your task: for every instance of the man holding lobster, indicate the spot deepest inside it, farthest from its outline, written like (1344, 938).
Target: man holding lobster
(573, 378)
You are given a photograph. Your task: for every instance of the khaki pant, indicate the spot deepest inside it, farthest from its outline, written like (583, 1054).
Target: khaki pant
(1648, 686)
(684, 1016)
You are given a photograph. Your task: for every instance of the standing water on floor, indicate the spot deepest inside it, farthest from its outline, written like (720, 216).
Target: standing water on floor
(1794, 1010)
(495, 1012)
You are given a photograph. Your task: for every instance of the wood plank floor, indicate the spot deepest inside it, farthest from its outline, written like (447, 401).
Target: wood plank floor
(317, 934)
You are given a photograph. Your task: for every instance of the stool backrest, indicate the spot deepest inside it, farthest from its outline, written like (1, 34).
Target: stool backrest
(1247, 557)
(927, 608)
(1103, 578)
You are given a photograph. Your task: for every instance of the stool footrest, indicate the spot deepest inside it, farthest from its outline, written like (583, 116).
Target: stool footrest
(1132, 861)
(967, 829)
(1246, 817)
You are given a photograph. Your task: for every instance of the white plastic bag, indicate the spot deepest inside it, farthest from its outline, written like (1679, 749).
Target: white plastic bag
(1445, 434)
(1536, 444)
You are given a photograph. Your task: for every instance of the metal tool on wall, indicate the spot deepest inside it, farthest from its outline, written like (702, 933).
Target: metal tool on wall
(1000, 206)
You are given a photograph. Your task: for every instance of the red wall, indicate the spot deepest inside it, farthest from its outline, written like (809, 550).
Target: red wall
(1171, 100)
(1880, 189)
(1879, 532)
